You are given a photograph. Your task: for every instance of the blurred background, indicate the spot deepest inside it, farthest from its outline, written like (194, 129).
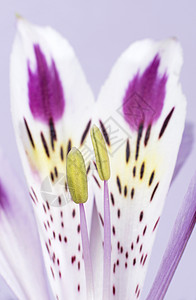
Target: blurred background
(99, 31)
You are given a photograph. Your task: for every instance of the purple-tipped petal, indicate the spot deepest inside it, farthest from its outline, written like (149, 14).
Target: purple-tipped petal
(143, 148)
(45, 71)
(180, 235)
(21, 262)
(46, 97)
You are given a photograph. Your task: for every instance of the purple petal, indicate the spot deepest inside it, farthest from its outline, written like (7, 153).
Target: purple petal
(144, 98)
(21, 262)
(46, 98)
(185, 148)
(181, 232)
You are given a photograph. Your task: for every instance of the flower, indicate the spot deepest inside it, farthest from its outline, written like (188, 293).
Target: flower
(141, 113)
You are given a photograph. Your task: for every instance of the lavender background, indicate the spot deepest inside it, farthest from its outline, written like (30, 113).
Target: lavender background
(99, 31)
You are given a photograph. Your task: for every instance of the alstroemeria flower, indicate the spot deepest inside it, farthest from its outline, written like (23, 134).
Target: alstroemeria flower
(141, 112)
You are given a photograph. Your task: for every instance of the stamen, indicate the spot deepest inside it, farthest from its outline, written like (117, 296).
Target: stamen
(101, 154)
(86, 253)
(76, 176)
(107, 245)
(77, 184)
(103, 167)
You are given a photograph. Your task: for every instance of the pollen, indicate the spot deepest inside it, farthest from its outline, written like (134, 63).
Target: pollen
(76, 176)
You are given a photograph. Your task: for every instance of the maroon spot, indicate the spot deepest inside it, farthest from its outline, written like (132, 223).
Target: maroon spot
(136, 289)
(145, 259)
(78, 228)
(118, 184)
(58, 263)
(59, 274)
(29, 133)
(47, 248)
(126, 255)
(32, 198)
(44, 208)
(141, 248)
(73, 213)
(45, 226)
(48, 224)
(141, 259)
(144, 98)
(60, 239)
(144, 231)
(112, 198)
(47, 153)
(165, 123)
(101, 219)
(65, 239)
(79, 247)
(46, 99)
(114, 290)
(78, 265)
(55, 168)
(132, 246)
(118, 245)
(114, 268)
(49, 242)
(113, 230)
(134, 261)
(154, 191)
(138, 238)
(73, 258)
(52, 272)
(96, 180)
(147, 136)
(48, 206)
(53, 258)
(134, 171)
(121, 249)
(51, 218)
(125, 191)
(54, 234)
(62, 224)
(132, 193)
(156, 223)
(117, 262)
(85, 132)
(78, 287)
(151, 178)
(141, 216)
(126, 265)
(61, 214)
(34, 194)
(105, 134)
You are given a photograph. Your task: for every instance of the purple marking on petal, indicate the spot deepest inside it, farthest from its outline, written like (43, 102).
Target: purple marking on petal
(3, 197)
(46, 97)
(144, 98)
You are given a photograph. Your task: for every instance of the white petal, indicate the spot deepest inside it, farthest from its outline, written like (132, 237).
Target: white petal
(21, 263)
(51, 108)
(142, 110)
